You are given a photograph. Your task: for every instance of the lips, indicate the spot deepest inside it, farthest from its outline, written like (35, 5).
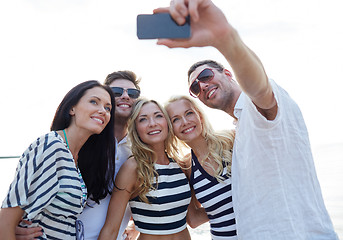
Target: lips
(123, 105)
(154, 132)
(211, 92)
(98, 119)
(188, 130)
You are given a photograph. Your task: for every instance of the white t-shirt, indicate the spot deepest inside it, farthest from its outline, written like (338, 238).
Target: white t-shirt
(93, 218)
(276, 193)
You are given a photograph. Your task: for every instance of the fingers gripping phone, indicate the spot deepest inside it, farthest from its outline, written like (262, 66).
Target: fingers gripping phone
(161, 25)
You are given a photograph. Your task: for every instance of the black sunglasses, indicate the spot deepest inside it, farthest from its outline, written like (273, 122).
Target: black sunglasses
(132, 92)
(205, 75)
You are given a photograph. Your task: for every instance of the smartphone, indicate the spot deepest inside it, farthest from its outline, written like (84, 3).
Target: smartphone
(161, 25)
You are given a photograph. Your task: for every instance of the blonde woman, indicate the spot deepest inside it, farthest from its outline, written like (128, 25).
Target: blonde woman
(153, 184)
(209, 167)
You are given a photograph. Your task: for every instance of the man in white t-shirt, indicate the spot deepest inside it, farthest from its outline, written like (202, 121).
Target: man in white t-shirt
(125, 86)
(276, 194)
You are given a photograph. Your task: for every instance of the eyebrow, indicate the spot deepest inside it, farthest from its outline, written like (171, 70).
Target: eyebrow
(94, 96)
(188, 109)
(157, 112)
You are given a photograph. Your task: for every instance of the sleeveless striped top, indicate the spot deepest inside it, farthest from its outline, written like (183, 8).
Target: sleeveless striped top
(167, 208)
(48, 187)
(216, 198)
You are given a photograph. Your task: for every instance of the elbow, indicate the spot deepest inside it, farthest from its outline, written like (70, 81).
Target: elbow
(107, 234)
(192, 222)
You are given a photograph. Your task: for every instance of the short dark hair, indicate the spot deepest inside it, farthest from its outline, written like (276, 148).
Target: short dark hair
(210, 63)
(126, 74)
(97, 156)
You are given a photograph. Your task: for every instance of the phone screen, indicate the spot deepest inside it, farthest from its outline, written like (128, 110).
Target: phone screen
(161, 25)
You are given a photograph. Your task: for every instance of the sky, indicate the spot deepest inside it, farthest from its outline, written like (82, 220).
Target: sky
(49, 46)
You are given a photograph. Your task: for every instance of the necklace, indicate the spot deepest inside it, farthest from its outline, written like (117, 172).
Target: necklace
(83, 185)
(65, 136)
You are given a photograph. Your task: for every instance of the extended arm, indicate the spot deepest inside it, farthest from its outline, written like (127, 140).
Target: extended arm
(211, 28)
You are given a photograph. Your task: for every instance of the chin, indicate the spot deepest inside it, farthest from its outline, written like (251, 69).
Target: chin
(98, 131)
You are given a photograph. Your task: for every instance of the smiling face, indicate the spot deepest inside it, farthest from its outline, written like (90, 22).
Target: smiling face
(124, 102)
(93, 111)
(217, 93)
(185, 119)
(151, 125)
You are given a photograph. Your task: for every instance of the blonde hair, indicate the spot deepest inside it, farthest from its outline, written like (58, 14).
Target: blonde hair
(220, 144)
(144, 155)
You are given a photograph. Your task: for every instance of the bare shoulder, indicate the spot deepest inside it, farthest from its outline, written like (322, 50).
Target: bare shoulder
(127, 175)
(131, 162)
(185, 164)
(185, 161)
(129, 167)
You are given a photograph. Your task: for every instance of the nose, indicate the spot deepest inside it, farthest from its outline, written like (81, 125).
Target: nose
(125, 95)
(183, 120)
(101, 110)
(152, 122)
(203, 85)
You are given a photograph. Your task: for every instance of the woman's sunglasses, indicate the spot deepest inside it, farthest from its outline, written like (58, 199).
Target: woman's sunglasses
(132, 92)
(204, 76)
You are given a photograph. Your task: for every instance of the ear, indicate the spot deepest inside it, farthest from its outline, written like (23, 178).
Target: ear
(227, 73)
(72, 112)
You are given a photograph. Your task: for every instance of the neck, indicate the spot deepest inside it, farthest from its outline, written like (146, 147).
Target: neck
(120, 129)
(229, 109)
(160, 155)
(199, 146)
(76, 139)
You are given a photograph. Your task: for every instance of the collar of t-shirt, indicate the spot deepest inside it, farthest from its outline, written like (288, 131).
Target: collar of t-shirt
(239, 105)
(124, 140)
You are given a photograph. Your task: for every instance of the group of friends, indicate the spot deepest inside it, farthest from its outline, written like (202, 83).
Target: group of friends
(112, 155)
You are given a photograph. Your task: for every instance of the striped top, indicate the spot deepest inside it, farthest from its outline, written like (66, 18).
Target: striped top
(166, 213)
(47, 186)
(216, 198)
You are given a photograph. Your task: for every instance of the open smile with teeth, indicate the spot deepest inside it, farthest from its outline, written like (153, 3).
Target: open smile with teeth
(98, 120)
(209, 95)
(154, 132)
(188, 130)
(123, 105)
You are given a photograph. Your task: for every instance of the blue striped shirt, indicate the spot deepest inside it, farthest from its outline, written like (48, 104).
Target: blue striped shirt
(216, 198)
(47, 186)
(167, 208)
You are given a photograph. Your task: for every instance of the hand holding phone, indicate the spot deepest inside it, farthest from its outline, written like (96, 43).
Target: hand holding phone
(161, 25)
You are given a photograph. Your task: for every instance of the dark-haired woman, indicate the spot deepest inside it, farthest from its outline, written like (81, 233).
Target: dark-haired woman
(49, 188)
